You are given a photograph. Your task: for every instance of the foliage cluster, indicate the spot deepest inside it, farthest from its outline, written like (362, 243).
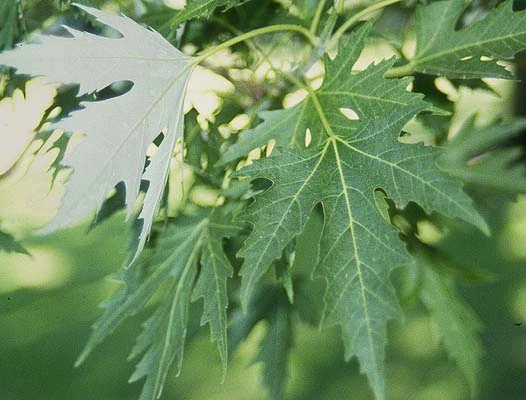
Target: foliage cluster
(315, 174)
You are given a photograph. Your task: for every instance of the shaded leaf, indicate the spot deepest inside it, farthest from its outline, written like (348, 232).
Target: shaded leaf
(456, 323)
(269, 304)
(212, 282)
(490, 156)
(242, 323)
(274, 350)
(10, 245)
(170, 271)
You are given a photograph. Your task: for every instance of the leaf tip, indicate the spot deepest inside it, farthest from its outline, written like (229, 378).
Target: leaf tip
(82, 357)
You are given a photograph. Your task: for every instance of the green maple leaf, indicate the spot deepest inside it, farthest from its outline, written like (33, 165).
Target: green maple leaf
(170, 271)
(212, 282)
(113, 152)
(443, 50)
(341, 170)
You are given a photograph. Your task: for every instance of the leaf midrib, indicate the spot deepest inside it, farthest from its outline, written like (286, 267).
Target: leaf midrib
(357, 261)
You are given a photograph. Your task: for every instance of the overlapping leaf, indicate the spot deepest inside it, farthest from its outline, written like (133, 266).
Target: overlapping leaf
(119, 130)
(444, 50)
(170, 272)
(341, 170)
(211, 285)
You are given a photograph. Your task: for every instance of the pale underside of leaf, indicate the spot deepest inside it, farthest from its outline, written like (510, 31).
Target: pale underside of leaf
(118, 131)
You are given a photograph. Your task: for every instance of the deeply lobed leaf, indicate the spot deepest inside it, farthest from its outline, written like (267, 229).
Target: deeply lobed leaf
(170, 272)
(366, 93)
(119, 130)
(344, 167)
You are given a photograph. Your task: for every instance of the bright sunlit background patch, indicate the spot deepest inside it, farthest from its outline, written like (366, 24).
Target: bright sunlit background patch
(20, 116)
(45, 268)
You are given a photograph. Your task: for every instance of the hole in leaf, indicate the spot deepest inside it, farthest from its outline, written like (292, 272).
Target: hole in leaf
(159, 139)
(154, 146)
(261, 185)
(382, 204)
(270, 146)
(466, 58)
(349, 114)
(308, 137)
(291, 99)
(112, 204)
(115, 89)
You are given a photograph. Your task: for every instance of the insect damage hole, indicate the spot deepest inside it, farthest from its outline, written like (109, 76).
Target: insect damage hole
(349, 113)
(308, 137)
(113, 90)
(154, 146)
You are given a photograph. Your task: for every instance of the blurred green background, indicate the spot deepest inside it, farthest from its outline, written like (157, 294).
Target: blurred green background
(49, 299)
